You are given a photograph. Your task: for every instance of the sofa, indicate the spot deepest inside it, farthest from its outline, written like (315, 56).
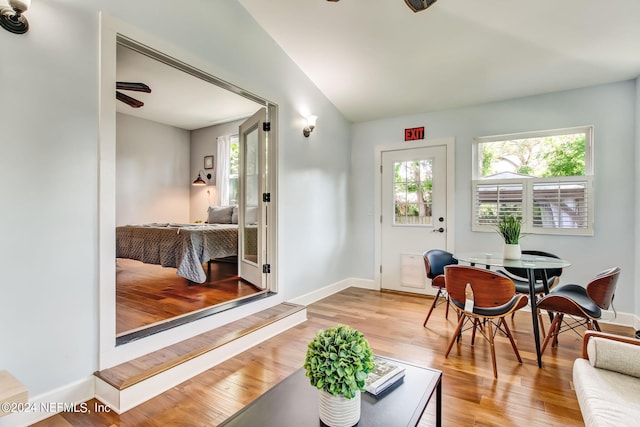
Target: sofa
(607, 380)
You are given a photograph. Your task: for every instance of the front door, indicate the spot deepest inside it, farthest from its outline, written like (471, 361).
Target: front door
(413, 215)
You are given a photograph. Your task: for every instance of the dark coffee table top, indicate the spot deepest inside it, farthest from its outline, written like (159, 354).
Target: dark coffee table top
(294, 402)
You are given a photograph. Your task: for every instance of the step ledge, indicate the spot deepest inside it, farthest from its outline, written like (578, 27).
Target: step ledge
(151, 384)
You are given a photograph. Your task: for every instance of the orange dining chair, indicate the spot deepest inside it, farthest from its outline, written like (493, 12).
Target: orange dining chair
(583, 305)
(494, 298)
(434, 262)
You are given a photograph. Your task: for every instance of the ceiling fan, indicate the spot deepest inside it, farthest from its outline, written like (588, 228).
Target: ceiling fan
(137, 87)
(415, 5)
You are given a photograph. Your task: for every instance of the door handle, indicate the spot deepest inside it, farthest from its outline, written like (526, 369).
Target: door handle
(438, 230)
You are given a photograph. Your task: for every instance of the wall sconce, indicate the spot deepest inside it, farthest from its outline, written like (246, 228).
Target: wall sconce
(200, 181)
(12, 19)
(311, 124)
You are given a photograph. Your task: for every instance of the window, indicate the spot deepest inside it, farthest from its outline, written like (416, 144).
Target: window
(227, 170)
(234, 170)
(545, 178)
(413, 188)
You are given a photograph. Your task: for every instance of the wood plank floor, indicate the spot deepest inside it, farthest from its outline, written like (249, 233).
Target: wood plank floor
(147, 293)
(522, 395)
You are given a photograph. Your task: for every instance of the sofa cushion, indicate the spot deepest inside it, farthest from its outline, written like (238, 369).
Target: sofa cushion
(606, 398)
(614, 356)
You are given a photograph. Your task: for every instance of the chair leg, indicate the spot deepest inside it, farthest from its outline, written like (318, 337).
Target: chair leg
(541, 324)
(557, 331)
(493, 349)
(454, 338)
(552, 332)
(596, 325)
(513, 343)
(446, 314)
(433, 305)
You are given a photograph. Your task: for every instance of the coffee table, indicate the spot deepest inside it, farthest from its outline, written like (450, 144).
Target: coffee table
(294, 402)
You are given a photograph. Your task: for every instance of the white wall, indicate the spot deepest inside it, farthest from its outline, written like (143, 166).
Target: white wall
(610, 108)
(49, 170)
(152, 172)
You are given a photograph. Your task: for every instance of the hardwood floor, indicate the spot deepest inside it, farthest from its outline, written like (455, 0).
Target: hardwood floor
(147, 293)
(522, 395)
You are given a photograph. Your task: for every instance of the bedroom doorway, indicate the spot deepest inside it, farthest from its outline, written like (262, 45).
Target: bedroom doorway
(144, 298)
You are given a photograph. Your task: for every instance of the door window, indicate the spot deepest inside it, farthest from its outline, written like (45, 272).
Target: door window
(413, 192)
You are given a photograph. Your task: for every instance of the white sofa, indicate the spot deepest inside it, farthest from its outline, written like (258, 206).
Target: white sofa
(607, 380)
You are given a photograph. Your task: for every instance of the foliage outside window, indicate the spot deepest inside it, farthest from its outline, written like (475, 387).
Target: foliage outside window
(413, 191)
(545, 178)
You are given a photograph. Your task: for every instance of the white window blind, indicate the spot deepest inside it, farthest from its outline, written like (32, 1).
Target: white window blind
(561, 204)
(496, 199)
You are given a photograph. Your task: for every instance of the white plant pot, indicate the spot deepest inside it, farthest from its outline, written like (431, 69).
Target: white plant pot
(511, 252)
(338, 411)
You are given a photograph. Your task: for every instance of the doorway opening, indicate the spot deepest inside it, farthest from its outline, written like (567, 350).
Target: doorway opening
(159, 295)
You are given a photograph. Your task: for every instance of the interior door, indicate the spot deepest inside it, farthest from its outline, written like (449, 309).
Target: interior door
(414, 213)
(252, 217)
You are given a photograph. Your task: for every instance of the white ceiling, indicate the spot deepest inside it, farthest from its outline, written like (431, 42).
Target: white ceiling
(376, 58)
(172, 99)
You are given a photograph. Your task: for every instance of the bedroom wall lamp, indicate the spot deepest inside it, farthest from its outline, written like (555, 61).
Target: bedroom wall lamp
(12, 18)
(311, 124)
(200, 181)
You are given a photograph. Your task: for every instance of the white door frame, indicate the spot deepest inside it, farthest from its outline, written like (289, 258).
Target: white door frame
(449, 143)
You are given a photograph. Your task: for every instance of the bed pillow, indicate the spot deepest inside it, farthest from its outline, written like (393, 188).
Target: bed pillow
(234, 215)
(219, 214)
(252, 215)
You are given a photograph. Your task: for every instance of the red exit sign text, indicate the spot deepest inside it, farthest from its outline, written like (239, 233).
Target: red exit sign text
(413, 134)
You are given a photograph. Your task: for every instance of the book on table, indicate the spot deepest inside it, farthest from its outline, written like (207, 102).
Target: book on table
(383, 376)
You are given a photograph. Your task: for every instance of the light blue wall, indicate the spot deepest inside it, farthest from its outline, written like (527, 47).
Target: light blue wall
(49, 169)
(610, 108)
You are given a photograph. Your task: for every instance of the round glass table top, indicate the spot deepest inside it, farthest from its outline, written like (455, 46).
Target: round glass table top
(496, 260)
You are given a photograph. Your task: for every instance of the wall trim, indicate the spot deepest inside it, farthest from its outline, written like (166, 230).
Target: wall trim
(333, 288)
(52, 402)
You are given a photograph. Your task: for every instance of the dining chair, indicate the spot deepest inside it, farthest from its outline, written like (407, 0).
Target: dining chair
(520, 279)
(583, 305)
(434, 262)
(494, 298)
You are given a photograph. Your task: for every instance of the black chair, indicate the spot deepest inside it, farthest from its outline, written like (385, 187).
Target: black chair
(435, 260)
(519, 277)
(583, 305)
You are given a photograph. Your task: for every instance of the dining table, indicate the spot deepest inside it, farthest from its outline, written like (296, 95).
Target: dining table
(530, 263)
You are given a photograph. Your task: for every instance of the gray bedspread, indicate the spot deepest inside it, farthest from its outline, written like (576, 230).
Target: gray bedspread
(182, 246)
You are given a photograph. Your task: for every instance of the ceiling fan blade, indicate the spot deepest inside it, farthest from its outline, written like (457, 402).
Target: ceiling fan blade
(129, 100)
(138, 87)
(418, 5)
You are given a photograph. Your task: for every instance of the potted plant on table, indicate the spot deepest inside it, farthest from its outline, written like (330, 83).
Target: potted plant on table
(509, 227)
(338, 362)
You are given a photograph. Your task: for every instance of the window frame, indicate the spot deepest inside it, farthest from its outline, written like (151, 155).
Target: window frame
(527, 200)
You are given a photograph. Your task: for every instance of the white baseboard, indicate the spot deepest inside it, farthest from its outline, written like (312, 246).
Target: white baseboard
(71, 397)
(333, 288)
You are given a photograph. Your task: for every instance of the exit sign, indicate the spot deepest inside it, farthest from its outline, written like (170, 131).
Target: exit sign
(412, 134)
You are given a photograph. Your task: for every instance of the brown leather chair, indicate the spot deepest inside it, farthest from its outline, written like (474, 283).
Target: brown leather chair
(434, 262)
(583, 305)
(494, 298)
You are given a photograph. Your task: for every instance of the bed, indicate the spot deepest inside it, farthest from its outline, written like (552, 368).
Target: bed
(182, 246)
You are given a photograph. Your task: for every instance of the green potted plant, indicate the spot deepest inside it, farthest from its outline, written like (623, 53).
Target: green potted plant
(338, 362)
(509, 227)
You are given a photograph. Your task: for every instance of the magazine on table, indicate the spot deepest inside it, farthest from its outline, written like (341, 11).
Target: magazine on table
(384, 375)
